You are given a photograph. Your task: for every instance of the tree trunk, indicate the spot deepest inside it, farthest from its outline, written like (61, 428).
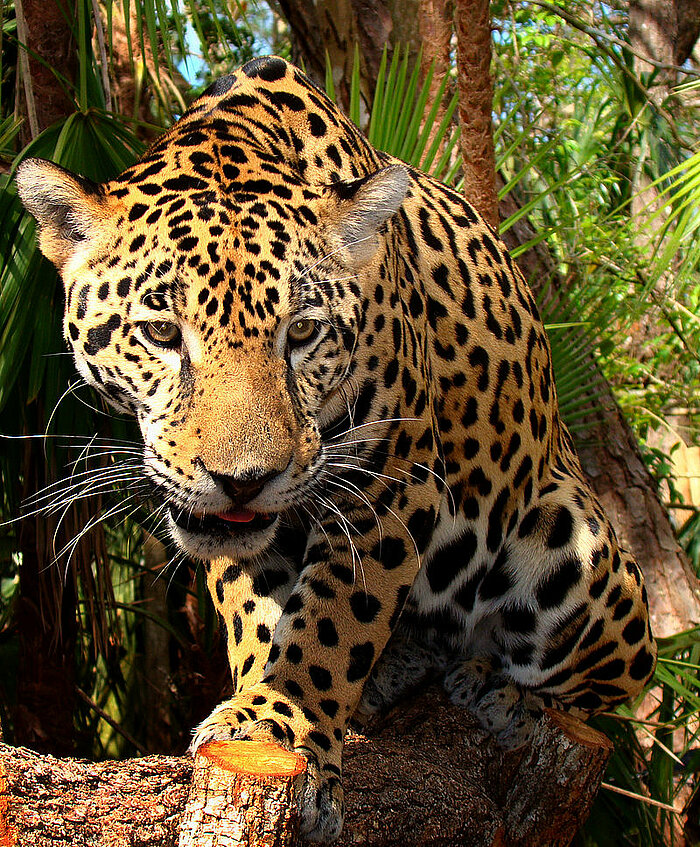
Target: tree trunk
(435, 19)
(687, 30)
(412, 783)
(334, 27)
(44, 26)
(473, 27)
(665, 32)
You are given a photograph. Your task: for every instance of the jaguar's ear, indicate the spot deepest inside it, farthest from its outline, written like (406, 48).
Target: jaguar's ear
(67, 207)
(364, 206)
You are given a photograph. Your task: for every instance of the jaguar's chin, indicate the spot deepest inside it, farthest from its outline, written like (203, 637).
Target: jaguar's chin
(240, 534)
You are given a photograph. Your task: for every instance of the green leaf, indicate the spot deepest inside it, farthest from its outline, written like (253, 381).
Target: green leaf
(354, 113)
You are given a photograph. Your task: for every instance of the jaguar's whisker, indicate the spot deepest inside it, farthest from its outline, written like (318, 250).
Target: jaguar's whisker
(357, 492)
(75, 490)
(392, 512)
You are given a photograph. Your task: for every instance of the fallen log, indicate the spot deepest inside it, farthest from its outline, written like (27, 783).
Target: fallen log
(426, 776)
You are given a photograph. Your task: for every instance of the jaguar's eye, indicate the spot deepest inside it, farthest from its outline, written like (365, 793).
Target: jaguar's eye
(301, 332)
(162, 334)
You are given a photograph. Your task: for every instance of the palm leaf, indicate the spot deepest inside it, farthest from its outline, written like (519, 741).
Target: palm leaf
(398, 124)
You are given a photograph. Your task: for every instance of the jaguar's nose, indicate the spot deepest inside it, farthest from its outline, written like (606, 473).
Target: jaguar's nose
(244, 487)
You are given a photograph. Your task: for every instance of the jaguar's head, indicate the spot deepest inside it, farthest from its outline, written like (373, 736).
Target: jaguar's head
(227, 320)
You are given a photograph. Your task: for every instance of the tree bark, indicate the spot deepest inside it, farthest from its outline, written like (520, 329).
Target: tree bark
(473, 27)
(561, 758)
(74, 803)
(435, 27)
(334, 27)
(46, 27)
(412, 783)
(665, 32)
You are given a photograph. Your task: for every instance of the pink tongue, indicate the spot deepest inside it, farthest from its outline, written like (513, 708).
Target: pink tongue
(237, 515)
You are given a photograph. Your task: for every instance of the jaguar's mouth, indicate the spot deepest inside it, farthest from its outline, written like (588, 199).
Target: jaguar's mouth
(232, 522)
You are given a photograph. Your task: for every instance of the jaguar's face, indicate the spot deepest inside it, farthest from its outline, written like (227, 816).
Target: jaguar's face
(228, 332)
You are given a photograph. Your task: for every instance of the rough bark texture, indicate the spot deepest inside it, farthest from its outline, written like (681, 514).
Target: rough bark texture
(242, 795)
(435, 31)
(443, 782)
(473, 28)
(73, 803)
(335, 26)
(50, 39)
(413, 783)
(560, 761)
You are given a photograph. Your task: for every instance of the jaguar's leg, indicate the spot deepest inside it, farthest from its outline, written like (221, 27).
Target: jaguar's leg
(334, 625)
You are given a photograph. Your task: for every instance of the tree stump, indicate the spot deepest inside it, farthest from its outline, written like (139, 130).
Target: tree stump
(242, 795)
(426, 776)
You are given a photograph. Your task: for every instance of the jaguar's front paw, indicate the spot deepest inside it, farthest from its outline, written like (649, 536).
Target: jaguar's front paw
(321, 803)
(259, 714)
(239, 720)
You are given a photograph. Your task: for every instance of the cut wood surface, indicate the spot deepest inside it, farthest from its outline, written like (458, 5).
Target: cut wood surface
(423, 776)
(242, 795)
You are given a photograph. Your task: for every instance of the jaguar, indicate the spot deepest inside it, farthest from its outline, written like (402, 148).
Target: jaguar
(348, 410)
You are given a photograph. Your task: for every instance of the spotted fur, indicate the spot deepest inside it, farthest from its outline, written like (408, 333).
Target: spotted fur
(346, 399)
